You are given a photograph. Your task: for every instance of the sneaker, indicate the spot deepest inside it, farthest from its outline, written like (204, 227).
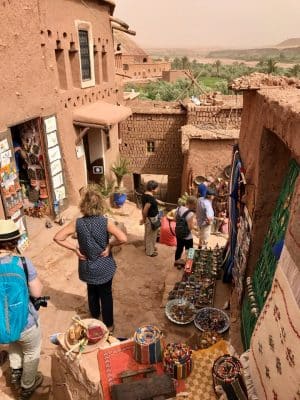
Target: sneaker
(26, 393)
(15, 378)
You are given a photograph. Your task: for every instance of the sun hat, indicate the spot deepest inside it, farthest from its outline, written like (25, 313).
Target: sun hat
(171, 215)
(8, 230)
(199, 179)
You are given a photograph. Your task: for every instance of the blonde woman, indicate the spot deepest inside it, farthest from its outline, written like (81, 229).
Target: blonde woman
(96, 264)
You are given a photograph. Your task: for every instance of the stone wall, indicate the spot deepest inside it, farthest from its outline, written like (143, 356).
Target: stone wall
(219, 116)
(146, 70)
(164, 130)
(269, 138)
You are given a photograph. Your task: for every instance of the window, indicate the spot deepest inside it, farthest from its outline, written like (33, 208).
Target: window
(150, 147)
(86, 53)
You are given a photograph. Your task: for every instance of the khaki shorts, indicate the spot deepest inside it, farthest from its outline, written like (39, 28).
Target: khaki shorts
(204, 233)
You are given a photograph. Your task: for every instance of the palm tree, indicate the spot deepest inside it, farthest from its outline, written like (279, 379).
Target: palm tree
(217, 64)
(295, 70)
(271, 65)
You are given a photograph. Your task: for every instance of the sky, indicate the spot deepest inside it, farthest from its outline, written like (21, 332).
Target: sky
(210, 23)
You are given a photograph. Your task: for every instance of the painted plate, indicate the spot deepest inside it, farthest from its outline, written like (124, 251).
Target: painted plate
(180, 311)
(212, 319)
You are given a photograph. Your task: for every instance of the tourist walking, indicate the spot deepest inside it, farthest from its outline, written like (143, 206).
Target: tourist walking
(184, 225)
(19, 320)
(205, 217)
(150, 217)
(96, 263)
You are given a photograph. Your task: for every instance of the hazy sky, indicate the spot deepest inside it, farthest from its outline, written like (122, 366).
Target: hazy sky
(203, 23)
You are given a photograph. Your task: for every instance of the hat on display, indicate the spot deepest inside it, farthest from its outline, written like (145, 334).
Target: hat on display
(202, 190)
(171, 214)
(8, 230)
(199, 179)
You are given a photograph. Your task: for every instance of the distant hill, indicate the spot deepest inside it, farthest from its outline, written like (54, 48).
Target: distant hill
(294, 42)
(287, 54)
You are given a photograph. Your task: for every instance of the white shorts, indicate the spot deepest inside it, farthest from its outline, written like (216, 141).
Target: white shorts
(204, 233)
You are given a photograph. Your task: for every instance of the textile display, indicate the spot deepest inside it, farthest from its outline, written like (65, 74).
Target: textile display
(275, 344)
(148, 345)
(233, 213)
(241, 255)
(292, 272)
(119, 358)
(228, 373)
(199, 384)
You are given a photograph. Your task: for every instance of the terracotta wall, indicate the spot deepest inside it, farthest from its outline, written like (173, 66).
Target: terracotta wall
(145, 70)
(207, 158)
(164, 130)
(219, 116)
(173, 75)
(269, 138)
(40, 76)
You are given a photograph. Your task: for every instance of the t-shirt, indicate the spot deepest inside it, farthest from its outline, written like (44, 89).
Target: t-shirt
(153, 210)
(167, 232)
(204, 211)
(32, 274)
(180, 211)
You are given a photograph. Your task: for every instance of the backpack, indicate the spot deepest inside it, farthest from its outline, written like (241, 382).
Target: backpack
(14, 295)
(182, 230)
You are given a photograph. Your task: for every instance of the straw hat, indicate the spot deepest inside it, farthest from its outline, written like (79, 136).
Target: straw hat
(199, 179)
(8, 230)
(171, 215)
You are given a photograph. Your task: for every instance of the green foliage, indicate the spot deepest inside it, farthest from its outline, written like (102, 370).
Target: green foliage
(106, 187)
(294, 71)
(120, 168)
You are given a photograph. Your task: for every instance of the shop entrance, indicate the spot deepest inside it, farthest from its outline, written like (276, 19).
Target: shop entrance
(29, 154)
(94, 155)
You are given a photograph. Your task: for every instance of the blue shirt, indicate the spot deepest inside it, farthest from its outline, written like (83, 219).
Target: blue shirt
(32, 274)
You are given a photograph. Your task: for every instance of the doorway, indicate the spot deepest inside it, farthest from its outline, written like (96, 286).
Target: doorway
(94, 155)
(140, 182)
(30, 160)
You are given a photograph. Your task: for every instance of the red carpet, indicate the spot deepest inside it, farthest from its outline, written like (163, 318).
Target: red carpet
(117, 359)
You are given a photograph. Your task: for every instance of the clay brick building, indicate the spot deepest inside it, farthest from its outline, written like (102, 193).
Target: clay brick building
(173, 75)
(156, 136)
(269, 150)
(58, 100)
(132, 62)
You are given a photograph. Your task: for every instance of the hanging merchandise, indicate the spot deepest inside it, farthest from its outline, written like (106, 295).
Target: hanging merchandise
(234, 212)
(148, 345)
(241, 253)
(178, 362)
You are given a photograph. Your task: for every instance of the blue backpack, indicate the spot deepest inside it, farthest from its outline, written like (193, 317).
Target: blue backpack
(14, 295)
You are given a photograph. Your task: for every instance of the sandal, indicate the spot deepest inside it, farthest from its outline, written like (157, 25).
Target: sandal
(153, 254)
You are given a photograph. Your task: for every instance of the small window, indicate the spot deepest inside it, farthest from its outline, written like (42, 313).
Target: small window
(150, 147)
(85, 55)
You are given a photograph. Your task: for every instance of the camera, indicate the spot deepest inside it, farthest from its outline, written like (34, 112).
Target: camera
(39, 301)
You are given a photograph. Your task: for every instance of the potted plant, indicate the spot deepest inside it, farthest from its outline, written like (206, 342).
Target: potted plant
(120, 168)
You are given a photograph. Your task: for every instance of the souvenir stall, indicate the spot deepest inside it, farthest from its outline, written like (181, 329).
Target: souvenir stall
(10, 188)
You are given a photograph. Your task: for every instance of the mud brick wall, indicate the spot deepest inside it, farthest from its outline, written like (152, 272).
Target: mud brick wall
(220, 117)
(164, 130)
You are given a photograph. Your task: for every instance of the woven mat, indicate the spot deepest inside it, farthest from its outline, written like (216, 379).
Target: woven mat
(275, 344)
(199, 384)
(119, 358)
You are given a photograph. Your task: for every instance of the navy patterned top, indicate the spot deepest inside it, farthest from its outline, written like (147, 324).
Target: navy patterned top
(93, 239)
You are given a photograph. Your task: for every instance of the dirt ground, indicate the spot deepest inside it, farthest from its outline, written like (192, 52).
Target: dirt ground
(140, 286)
